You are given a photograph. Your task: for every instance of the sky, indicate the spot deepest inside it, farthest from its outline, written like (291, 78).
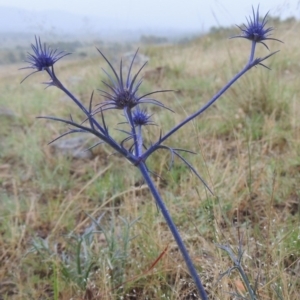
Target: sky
(167, 14)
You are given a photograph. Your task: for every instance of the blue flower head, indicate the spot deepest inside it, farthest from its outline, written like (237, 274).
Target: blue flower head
(140, 117)
(43, 57)
(123, 92)
(256, 30)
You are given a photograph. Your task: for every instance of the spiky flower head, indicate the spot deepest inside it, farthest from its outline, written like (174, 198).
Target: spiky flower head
(123, 93)
(140, 117)
(256, 29)
(43, 57)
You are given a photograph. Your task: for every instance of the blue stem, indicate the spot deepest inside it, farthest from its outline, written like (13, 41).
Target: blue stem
(103, 134)
(140, 139)
(252, 52)
(134, 136)
(249, 65)
(59, 85)
(174, 230)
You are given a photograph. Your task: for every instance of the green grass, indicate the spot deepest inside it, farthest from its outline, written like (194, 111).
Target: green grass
(248, 149)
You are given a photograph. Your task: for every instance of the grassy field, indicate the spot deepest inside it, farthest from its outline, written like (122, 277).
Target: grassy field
(88, 228)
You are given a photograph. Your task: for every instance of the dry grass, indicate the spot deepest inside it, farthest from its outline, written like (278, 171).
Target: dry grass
(248, 147)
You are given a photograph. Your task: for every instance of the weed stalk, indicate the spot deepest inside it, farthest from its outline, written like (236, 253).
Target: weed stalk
(123, 95)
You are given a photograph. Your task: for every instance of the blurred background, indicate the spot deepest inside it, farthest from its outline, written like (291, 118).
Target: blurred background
(75, 23)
